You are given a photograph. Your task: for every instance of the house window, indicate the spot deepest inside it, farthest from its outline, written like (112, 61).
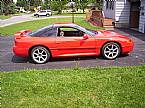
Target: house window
(111, 5)
(107, 4)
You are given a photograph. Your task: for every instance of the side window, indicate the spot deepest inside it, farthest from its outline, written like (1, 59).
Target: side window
(51, 33)
(69, 32)
(46, 32)
(43, 11)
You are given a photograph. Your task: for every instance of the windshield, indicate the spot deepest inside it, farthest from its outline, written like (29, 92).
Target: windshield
(87, 31)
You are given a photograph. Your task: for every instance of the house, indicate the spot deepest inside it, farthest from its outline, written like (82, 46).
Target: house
(126, 13)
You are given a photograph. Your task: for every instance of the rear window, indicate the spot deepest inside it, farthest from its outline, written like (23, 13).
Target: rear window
(45, 32)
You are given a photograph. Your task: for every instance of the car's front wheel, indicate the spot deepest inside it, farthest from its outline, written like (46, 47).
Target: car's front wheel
(37, 15)
(40, 55)
(111, 50)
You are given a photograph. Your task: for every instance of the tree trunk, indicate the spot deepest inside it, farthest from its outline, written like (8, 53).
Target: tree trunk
(83, 10)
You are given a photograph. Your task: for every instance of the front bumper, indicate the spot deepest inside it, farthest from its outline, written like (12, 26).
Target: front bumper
(128, 48)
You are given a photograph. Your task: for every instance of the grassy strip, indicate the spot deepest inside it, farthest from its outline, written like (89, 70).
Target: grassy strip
(34, 25)
(70, 14)
(4, 17)
(122, 87)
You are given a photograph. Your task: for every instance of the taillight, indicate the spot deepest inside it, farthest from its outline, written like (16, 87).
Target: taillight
(15, 42)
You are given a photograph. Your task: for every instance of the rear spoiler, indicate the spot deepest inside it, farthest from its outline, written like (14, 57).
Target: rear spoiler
(21, 33)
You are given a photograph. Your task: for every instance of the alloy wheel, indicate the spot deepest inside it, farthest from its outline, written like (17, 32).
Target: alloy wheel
(40, 55)
(111, 50)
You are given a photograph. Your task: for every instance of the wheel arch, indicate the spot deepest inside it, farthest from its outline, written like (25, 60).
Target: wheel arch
(30, 49)
(110, 42)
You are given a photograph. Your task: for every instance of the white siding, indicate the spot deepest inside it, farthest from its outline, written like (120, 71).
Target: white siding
(122, 13)
(109, 13)
(142, 18)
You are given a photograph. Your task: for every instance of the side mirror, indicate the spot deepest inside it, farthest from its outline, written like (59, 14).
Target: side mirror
(86, 36)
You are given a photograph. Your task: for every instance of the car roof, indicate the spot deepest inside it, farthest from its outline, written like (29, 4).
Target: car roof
(65, 24)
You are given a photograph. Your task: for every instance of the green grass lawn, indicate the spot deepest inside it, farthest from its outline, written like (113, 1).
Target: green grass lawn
(34, 25)
(4, 17)
(75, 14)
(122, 87)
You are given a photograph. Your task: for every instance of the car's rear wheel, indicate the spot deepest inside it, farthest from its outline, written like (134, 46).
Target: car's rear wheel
(111, 50)
(47, 15)
(40, 55)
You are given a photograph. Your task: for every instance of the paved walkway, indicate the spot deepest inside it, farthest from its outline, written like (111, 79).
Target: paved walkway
(26, 17)
(133, 33)
(9, 62)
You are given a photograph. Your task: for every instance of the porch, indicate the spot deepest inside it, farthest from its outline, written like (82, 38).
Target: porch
(97, 18)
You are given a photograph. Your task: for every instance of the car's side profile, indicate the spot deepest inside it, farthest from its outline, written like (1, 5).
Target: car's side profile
(69, 40)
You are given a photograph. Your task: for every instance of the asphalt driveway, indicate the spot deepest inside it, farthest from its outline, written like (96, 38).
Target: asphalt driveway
(9, 62)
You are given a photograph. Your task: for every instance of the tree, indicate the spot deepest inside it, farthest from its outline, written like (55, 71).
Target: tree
(1, 7)
(83, 4)
(22, 3)
(56, 5)
(46, 4)
(99, 4)
(35, 3)
(9, 6)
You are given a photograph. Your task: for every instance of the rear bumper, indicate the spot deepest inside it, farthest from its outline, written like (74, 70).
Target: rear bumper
(22, 52)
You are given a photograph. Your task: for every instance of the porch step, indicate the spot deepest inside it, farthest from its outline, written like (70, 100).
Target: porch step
(107, 22)
(109, 27)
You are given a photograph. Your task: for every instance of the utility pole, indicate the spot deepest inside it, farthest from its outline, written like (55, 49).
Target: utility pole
(72, 5)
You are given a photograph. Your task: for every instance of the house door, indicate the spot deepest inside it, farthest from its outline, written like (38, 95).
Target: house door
(134, 14)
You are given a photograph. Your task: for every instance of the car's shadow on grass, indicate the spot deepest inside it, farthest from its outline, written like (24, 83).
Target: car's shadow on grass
(16, 59)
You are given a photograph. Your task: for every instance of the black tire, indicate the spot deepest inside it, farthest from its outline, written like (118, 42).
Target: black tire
(112, 49)
(37, 15)
(40, 55)
(47, 15)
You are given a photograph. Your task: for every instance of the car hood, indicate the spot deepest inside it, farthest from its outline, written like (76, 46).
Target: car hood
(107, 33)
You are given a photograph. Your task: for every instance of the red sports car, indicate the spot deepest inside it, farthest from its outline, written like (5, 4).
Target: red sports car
(69, 40)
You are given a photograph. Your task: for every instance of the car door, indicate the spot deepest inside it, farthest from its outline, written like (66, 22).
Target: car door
(72, 44)
(42, 13)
